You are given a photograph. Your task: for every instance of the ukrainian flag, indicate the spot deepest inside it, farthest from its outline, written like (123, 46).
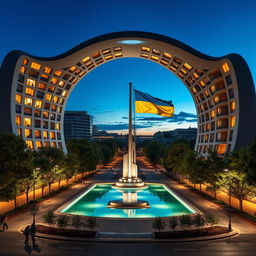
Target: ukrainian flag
(145, 103)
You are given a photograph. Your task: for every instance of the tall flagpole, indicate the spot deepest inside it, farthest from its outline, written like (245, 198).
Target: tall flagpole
(130, 141)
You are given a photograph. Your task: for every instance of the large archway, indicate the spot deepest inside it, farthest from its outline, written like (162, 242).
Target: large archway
(34, 91)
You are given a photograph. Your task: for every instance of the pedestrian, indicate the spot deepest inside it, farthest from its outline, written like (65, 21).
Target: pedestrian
(26, 233)
(5, 224)
(33, 232)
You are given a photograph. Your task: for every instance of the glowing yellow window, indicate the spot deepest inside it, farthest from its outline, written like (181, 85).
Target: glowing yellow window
(52, 135)
(108, 57)
(48, 96)
(216, 99)
(105, 51)
(42, 86)
(82, 73)
(57, 126)
(233, 106)
(194, 90)
(45, 134)
(18, 98)
(54, 80)
(73, 68)
(212, 88)
(58, 73)
(195, 75)
(202, 83)
(38, 144)
(19, 131)
(206, 93)
(86, 59)
(22, 69)
(30, 91)
(145, 49)
(95, 55)
(27, 121)
(28, 133)
(64, 93)
(154, 58)
(212, 114)
(25, 61)
(225, 67)
(54, 144)
(45, 77)
(118, 54)
(59, 109)
(187, 66)
(167, 55)
(221, 149)
(35, 65)
(55, 99)
(61, 101)
(18, 120)
(28, 101)
(47, 70)
(37, 133)
(232, 121)
(31, 82)
(61, 83)
(38, 104)
(29, 144)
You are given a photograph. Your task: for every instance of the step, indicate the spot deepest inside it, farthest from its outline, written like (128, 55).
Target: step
(123, 235)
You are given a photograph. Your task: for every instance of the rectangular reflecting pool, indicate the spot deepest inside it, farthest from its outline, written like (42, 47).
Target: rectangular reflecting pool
(162, 201)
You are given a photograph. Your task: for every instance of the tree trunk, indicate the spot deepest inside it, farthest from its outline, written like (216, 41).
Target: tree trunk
(194, 185)
(42, 191)
(241, 204)
(49, 188)
(59, 181)
(200, 186)
(15, 202)
(27, 195)
(215, 194)
(67, 181)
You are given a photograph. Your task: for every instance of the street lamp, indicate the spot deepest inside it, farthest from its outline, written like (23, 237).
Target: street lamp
(229, 204)
(34, 211)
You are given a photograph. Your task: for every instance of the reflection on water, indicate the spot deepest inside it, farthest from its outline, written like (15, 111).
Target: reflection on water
(162, 203)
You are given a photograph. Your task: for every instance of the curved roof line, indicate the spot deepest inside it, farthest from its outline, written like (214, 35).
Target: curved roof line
(126, 34)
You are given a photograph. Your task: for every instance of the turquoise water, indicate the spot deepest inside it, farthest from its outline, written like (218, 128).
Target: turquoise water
(162, 203)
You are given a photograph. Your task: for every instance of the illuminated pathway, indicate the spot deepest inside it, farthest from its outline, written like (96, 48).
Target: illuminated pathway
(12, 243)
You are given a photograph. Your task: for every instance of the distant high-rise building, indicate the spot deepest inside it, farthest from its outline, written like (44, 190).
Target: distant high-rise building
(77, 125)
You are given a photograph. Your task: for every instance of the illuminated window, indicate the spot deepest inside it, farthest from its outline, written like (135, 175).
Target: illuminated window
(47, 144)
(31, 82)
(42, 86)
(19, 132)
(154, 58)
(216, 99)
(61, 83)
(145, 49)
(38, 104)
(225, 67)
(221, 149)
(54, 107)
(28, 133)
(25, 61)
(73, 80)
(202, 83)
(18, 98)
(78, 71)
(37, 113)
(232, 121)
(212, 114)
(57, 126)
(206, 93)
(45, 115)
(52, 135)
(64, 93)
(156, 51)
(118, 54)
(54, 80)
(45, 134)
(37, 133)
(106, 51)
(18, 120)
(144, 55)
(95, 55)
(108, 57)
(28, 101)
(54, 144)
(48, 97)
(233, 106)
(27, 121)
(39, 144)
(61, 101)
(47, 70)
(195, 75)
(55, 99)
(194, 90)
(44, 77)
(35, 65)
(167, 55)
(30, 91)
(86, 59)
(29, 144)
(187, 66)
(58, 73)
(22, 69)
(183, 71)
(212, 88)
(117, 48)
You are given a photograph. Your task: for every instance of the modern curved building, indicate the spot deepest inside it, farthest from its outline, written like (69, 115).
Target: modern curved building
(34, 91)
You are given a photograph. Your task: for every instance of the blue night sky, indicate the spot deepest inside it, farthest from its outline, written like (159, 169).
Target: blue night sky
(48, 28)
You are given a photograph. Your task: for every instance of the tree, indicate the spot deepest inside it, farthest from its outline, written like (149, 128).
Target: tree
(76, 221)
(154, 151)
(198, 221)
(49, 217)
(158, 224)
(211, 219)
(91, 223)
(62, 221)
(185, 221)
(173, 223)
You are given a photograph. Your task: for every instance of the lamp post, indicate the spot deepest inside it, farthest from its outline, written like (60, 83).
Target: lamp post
(229, 204)
(34, 211)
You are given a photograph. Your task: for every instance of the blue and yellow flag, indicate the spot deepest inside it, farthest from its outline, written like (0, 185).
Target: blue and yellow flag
(145, 103)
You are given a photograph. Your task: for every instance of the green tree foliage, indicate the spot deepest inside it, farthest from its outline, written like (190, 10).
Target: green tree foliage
(49, 217)
(76, 221)
(91, 223)
(154, 151)
(158, 224)
(62, 221)
(185, 221)
(211, 219)
(173, 223)
(198, 221)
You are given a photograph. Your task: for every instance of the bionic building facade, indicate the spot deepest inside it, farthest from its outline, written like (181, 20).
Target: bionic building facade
(34, 91)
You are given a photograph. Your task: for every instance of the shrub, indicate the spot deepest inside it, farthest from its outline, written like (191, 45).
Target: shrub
(212, 219)
(62, 221)
(76, 221)
(49, 217)
(199, 221)
(185, 221)
(158, 224)
(173, 223)
(91, 223)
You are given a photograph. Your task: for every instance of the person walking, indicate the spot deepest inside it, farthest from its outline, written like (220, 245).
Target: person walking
(33, 232)
(5, 224)
(26, 233)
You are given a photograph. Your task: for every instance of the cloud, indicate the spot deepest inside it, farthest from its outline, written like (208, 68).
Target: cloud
(124, 117)
(116, 127)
